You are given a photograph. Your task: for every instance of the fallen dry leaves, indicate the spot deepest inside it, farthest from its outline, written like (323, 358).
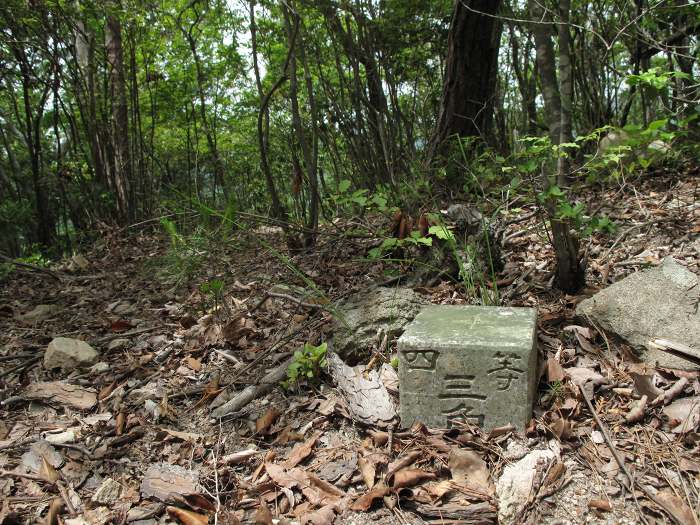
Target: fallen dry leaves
(313, 454)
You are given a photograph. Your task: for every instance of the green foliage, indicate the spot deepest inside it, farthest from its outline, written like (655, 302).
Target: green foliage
(185, 255)
(557, 391)
(214, 289)
(389, 244)
(358, 200)
(655, 78)
(306, 365)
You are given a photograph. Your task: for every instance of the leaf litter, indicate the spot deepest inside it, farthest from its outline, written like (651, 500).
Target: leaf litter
(183, 419)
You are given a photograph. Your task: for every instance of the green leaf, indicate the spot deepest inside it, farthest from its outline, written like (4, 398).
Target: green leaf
(441, 232)
(343, 186)
(657, 124)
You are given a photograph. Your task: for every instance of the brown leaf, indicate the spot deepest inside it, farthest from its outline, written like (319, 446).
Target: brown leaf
(316, 490)
(187, 517)
(675, 506)
(48, 472)
(106, 390)
(265, 422)
(644, 385)
(684, 414)
(120, 325)
(561, 428)
(63, 393)
(263, 516)
(54, 510)
(301, 451)
(323, 516)
(555, 372)
(402, 462)
(367, 470)
(637, 411)
(364, 502)
(194, 364)
(600, 504)
(468, 468)
(199, 502)
(410, 477)
(120, 423)
(280, 476)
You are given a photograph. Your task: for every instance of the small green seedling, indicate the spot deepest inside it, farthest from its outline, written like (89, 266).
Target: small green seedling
(215, 289)
(306, 364)
(395, 363)
(557, 391)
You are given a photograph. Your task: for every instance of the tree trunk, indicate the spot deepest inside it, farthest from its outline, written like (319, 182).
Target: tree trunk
(120, 118)
(547, 69)
(566, 90)
(469, 84)
(570, 272)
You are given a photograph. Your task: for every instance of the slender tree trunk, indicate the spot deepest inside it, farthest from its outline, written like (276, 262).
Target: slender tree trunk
(120, 118)
(566, 90)
(46, 225)
(570, 272)
(309, 148)
(547, 69)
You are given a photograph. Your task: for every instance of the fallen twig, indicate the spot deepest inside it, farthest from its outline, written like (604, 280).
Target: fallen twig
(26, 364)
(249, 393)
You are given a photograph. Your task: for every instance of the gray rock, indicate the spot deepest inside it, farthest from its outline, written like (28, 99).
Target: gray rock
(117, 344)
(41, 312)
(108, 493)
(473, 364)
(514, 486)
(659, 303)
(67, 354)
(365, 313)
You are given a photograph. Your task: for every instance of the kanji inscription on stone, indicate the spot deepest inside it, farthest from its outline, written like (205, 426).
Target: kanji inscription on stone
(473, 364)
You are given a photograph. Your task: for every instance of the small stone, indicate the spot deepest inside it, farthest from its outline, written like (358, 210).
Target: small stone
(514, 486)
(163, 482)
(470, 364)
(108, 493)
(80, 261)
(41, 312)
(67, 354)
(515, 450)
(117, 344)
(99, 368)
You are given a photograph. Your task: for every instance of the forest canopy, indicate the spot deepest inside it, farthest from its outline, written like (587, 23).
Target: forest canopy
(123, 111)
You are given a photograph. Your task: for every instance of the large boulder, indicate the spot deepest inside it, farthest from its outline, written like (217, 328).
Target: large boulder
(365, 313)
(67, 354)
(658, 303)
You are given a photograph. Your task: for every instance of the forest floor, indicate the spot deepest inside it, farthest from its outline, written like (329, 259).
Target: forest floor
(136, 430)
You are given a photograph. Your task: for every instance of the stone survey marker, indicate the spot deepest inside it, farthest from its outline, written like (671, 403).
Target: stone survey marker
(473, 364)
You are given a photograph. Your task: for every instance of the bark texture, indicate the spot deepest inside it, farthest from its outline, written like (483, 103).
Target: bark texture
(470, 72)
